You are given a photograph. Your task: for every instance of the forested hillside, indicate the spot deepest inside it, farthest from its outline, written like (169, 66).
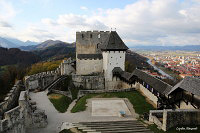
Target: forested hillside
(16, 56)
(56, 52)
(134, 60)
(43, 67)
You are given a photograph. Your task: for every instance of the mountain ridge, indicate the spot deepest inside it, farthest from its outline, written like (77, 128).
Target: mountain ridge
(8, 42)
(46, 44)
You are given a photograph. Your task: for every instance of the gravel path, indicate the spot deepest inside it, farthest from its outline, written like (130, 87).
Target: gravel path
(55, 119)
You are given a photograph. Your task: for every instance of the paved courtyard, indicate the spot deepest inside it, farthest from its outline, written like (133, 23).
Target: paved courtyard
(55, 119)
(109, 107)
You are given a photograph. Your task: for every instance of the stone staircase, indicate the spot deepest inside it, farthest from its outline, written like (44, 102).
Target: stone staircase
(131, 126)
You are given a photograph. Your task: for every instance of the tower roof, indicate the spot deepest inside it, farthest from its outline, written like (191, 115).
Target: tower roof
(113, 42)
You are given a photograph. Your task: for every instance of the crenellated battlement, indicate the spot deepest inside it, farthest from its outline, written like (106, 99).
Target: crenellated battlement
(93, 36)
(89, 42)
(94, 31)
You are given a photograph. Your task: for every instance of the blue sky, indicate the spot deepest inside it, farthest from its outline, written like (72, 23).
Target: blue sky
(35, 10)
(138, 22)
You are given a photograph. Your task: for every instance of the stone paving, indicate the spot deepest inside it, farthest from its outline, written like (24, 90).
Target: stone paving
(55, 119)
(109, 107)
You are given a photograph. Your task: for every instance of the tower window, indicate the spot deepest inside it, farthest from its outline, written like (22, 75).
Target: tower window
(111, 57)
(97, 45)
(120, 57)
(82, 36)
(99, 36)
(110, 63)
(90, 35)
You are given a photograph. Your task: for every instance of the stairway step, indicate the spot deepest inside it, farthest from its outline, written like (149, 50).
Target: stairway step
(88, 130)
(93, 132)
(124, 131)
(117, 128)
(106, 125)
(81, 128)
(114, 126)
(111, 123)
(132, 121)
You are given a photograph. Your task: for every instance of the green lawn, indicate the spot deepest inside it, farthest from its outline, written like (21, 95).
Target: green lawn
(139, 102)
(74, 92)
(60, 102)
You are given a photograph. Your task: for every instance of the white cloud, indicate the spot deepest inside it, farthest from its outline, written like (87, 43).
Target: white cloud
(146, 22)
(7, 12)
(84, 8)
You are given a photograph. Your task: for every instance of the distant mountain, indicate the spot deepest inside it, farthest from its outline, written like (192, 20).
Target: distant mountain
(172, 48)
(47, 44)
(16, 56)
(58, 50)
(28, 48)
(7, 44)
(21, 43)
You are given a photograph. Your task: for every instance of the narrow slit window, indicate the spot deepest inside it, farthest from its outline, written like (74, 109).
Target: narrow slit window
(99, 36)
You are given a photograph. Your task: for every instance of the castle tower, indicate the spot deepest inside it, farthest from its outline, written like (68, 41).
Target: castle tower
(113, 51)
(88, 53)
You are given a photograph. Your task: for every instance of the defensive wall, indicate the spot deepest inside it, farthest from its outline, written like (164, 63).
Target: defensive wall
(89, 82)
(16, 119)
(168, 118)
(41, 80)
(67, 67)
(10, 101)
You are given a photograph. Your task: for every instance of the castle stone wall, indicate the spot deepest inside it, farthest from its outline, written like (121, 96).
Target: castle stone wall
(17, 119)
(87, 66)
(88, 82)
(116, 83)
(11, 99)
(172, 118)
(86, 42)
(40, 80)
(148, 93)
(112, 59)
(66, 67)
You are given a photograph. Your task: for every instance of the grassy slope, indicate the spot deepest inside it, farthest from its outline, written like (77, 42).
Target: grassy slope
(60, 102)
(74, 92)
(138, 101)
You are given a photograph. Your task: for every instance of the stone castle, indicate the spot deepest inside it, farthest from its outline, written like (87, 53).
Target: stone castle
(98, 53)
(100, 67)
